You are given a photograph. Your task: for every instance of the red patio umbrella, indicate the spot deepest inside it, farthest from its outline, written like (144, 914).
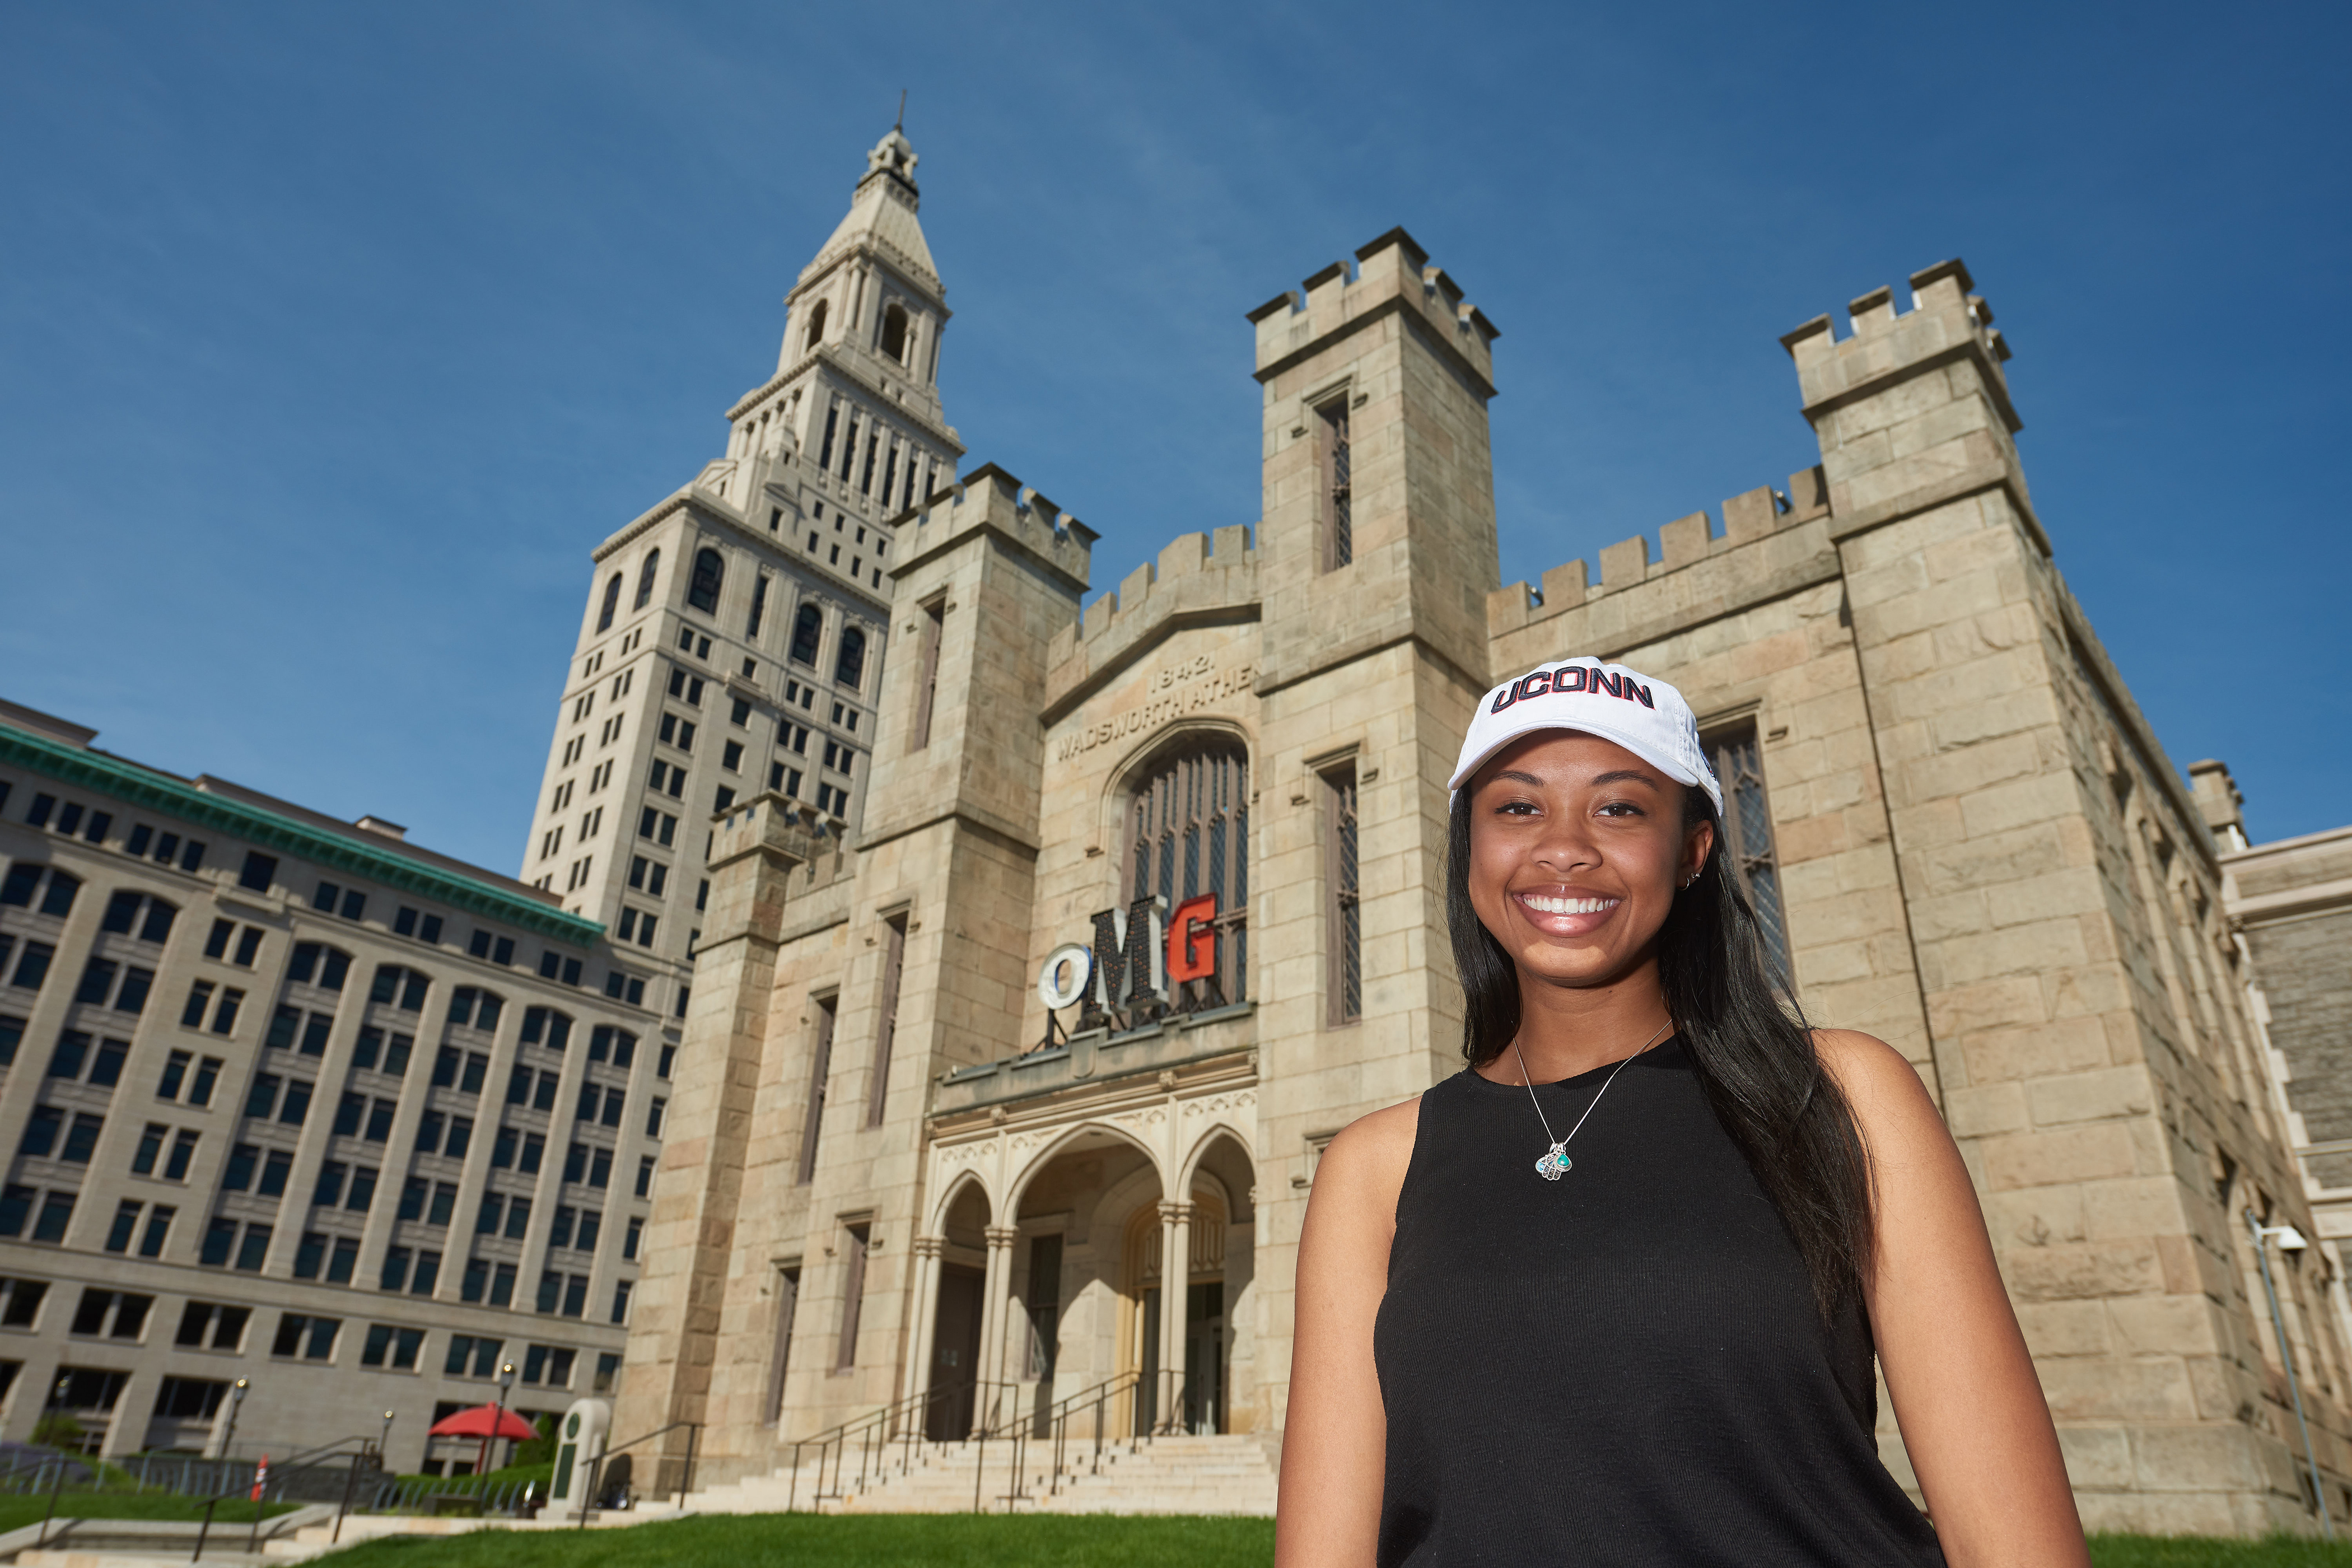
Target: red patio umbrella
(486, 1422)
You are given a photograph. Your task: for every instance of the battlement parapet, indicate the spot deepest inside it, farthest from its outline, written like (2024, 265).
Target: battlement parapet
(1748, 518)
(1945, 321)
(1389, 276)
(1198, 580)
(990, 499)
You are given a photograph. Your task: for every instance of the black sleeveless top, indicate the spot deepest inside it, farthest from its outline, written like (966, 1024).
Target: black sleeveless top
(1624, 1366)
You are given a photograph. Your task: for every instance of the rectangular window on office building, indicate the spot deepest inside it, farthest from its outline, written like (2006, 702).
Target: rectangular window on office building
(1748, 851)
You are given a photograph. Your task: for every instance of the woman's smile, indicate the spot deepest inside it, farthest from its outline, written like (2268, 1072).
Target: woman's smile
(1567, 911)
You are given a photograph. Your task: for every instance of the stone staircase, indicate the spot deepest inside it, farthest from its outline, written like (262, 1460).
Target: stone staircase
(1163, 1475)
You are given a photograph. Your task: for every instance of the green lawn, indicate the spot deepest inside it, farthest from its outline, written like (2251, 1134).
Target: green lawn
(963, 1540)
(15, 1512)
(870, 1540)
(958, 1541)
(2157, 1552)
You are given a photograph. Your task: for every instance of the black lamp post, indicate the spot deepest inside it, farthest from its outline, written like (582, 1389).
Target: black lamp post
(57, 1484)
(497, 1413)
(237, 1392)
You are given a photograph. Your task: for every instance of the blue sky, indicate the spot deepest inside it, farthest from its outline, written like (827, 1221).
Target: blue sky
(332, 337)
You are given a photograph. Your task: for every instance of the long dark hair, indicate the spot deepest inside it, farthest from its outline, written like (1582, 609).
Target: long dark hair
(1744, 1032)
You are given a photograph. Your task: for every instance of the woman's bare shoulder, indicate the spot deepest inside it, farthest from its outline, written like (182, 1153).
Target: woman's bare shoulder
(1885, 1089)
(1369, 1156)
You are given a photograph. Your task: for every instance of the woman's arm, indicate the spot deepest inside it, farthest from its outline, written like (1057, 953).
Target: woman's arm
(1971, 1409)
(1335, 1436)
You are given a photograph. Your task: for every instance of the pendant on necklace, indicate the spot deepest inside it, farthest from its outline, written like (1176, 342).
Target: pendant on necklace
(1555, 1165)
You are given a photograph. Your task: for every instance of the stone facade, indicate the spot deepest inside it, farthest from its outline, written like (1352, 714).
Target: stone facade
(2289, 905)
(292, 1099)
(899, 1176)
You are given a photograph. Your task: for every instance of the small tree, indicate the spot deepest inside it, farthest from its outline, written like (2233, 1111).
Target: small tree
(538, 1450)
(60, 1431)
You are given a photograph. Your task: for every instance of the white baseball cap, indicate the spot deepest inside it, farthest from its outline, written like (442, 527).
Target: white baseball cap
(1646, 716)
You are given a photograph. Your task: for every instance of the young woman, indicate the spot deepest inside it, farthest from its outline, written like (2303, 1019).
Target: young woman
(1611, 1294)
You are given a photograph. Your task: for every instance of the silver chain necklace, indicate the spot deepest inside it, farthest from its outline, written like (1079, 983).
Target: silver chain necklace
(1555, 1163)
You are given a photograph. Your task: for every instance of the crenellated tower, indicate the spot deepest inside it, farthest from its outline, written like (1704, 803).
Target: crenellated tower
(1374, 559)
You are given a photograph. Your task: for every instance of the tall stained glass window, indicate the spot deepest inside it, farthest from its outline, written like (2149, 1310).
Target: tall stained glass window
(1189, 834)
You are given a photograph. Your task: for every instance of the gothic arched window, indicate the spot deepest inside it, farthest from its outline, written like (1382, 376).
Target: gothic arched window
(808, 629)
(1188, 832)
(646, 579)
(612, 602)
(703, 592)
(894, 331)
(816, 327)
(850, 667)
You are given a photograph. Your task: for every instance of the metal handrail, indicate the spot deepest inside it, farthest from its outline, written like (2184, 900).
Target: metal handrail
(307, 1459)
(596, 1465)
(1054, 1422)
(878, 1429)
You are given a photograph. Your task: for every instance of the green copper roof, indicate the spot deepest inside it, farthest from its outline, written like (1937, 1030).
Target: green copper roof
(160, 793)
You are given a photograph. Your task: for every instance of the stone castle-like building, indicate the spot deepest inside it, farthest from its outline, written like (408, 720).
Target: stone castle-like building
(1005, 1072)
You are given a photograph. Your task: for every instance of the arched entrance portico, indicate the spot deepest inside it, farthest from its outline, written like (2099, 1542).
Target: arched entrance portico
(1064, 1229)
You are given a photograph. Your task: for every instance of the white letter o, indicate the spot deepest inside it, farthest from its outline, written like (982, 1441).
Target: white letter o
(1071, 960)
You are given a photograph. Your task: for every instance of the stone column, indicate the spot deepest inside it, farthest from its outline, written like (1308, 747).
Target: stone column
(1175, 1275)
(926, 1323)
(993, 1321)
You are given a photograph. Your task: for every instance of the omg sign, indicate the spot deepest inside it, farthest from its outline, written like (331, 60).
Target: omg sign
(1138, 954)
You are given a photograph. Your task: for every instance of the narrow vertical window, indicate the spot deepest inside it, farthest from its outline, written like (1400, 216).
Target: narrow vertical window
(894, 331)
(1747, 849)
(894, 957)
(820, 1070)
(710, 570)
(824, 452)
(788, 1300)
(612, 604)
(1338, 542)
(927, 673)
(889, 473)
(815, 330)
(866, 476)
(853, 1297)
(849, 448)
(759, 607)
(1345, 967)
(645, 578)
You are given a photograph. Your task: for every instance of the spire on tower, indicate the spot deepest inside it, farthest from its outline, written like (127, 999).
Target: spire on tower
(882, 215)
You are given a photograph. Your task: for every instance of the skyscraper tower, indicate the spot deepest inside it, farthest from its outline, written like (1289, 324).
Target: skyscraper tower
(733, 635)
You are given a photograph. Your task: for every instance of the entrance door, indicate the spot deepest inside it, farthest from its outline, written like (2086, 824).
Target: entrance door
(1147, 1385)
(1205, 1341)
(955, 1353)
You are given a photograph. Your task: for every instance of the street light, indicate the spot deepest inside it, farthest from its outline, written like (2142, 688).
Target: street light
(2290, 1240)
(384, 1444)
(497, 1413)
(235, 1402)
(57, 1482)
